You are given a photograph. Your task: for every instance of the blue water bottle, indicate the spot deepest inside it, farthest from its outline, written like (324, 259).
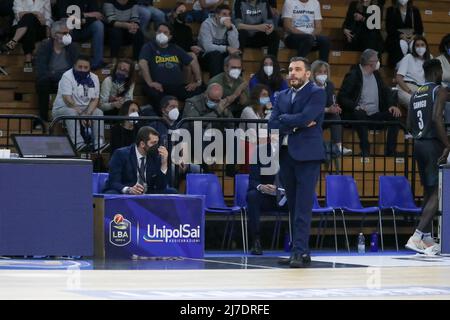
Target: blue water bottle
(374, 242)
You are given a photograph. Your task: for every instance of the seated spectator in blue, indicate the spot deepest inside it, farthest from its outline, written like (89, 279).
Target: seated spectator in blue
(403, 23)
(170, 114)
(92, 27)
(117, 88)
(203, 9)
(269, 74)
(148, 13)
(124, 133)
(161, 64)
(140, 168)
(54, 57)
(302, 21)
(78, 95)
(358, 37)
(254, 21)
(31, 24)
(122, 17)
(218, 38)
(320, 74)
(263, 195)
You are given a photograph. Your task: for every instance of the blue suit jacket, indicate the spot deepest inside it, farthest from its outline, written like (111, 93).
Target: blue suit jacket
(292, 118)
(123, 171)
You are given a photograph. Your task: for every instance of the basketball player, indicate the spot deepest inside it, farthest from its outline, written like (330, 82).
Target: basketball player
(431, 148)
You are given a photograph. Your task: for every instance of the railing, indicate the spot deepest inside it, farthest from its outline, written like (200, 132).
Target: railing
(17, 124)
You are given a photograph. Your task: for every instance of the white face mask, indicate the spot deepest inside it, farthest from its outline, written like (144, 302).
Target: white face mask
(173, 114)
(268, 70)
(134, 115)
(234, 73)
(377, 67)
(403, 2)
(321, 78)
(223, 19)
(66, 39)
(421, 51)
(162, 39)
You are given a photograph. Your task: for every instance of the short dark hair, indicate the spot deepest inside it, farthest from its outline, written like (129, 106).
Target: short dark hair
(230, 57)
(302, 59)
(445, 42)
(431, 68)
(165, 101)
(222, 7)
(166, 25)
(144, 133)
(83, 57)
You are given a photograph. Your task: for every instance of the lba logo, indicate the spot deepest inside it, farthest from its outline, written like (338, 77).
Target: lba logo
(119, 231)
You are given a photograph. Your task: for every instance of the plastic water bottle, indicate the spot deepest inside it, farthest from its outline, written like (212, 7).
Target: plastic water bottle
(374, 242)
(361, 244)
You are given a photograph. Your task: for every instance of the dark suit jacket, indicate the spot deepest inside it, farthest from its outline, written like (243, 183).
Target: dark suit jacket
(123, 171)
(256, 178)
(305, 144)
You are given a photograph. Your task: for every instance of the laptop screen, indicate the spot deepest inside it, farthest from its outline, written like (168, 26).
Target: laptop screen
(43, 146)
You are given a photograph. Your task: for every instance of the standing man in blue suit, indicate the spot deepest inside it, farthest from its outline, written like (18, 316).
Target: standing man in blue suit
(140, 168)
(298, 114)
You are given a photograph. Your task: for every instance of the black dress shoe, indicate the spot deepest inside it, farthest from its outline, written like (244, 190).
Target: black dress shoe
(284, 261)
(256, 249)
(300, 260)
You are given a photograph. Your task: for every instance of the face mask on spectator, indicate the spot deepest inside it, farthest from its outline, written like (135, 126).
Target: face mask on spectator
(234, 73)
(403, 2)
(181, 17)
(223, 19)
(173, 114)
(421, 51)
(120, 78)
(211, 104)
(321, 78)
(134, 115)
(268, 70)
(264, 101)
(66, 39)
(80, 75)
(162, 39)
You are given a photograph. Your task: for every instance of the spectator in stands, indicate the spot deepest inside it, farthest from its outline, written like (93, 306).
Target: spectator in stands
(403, 22)
(218, 37)
(117, 88)
(148, 13)
(269, 74)
(320, 74)
(161, 63)
(182, 36)
(260, 107)
(140, 168)
(170, 114)
(78, 95)
(357, 35)
(91, 27)
(234, 87)
(53, 57)
(444, 49)
(275, 14)
(410, 74)
(122, 17)
(202, 9)
(253, 19)
(364, 95)
(31, 24)
(302, 21)
(123, 134)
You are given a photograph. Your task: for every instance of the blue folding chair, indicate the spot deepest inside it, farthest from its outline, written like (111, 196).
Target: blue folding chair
(209, 186)
(342, 194)
(395, 194)
(98, 182)
(323, 212)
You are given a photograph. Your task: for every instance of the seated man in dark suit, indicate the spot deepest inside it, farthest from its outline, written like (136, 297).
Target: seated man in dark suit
(261, 197)
(140, 168)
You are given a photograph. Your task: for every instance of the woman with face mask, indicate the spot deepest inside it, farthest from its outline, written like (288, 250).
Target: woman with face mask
(270, 75)
(403, 22)
(117, 88)
(320, 74)
(124, 133)
(444, 57)
(410, 75)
